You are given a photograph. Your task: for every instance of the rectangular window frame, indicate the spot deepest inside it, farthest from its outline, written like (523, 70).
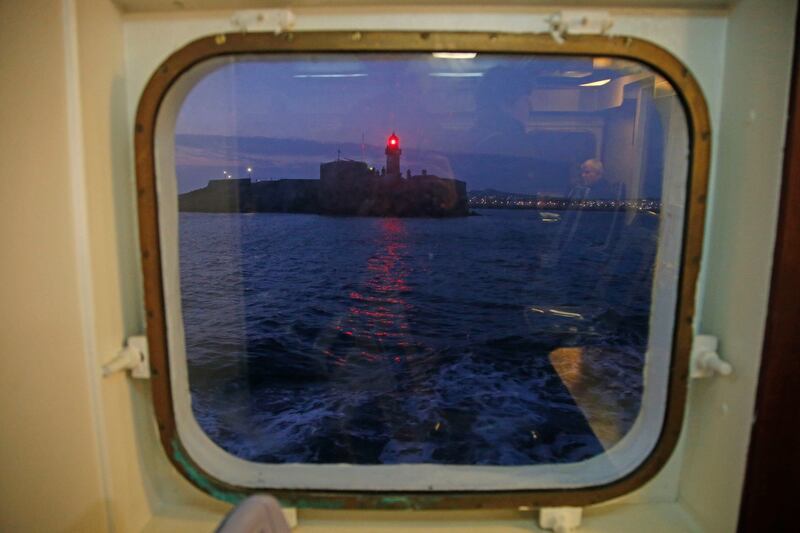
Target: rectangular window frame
(208, 48)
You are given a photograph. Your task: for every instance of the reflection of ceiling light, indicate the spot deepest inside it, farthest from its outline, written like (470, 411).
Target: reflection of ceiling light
(597, 83)
(329, 75)
(566, 314)
(575, 73)
(455, 55)
(457, 74)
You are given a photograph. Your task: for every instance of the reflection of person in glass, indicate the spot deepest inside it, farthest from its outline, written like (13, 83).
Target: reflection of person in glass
(601, 229)
(502, 112)
(595, 186)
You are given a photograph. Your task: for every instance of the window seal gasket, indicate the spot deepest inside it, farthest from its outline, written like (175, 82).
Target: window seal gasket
(231, 44)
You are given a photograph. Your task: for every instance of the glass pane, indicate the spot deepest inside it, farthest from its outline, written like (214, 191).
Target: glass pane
(416, 258)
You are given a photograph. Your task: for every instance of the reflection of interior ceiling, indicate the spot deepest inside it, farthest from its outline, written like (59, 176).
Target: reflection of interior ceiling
(573, 97)
(577, 72)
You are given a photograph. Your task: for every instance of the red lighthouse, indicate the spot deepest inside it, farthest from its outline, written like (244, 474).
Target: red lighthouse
(393, 152)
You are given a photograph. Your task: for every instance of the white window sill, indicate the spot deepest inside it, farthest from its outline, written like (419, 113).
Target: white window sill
(614, 518)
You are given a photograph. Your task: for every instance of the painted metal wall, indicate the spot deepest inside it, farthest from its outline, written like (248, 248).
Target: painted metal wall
(73, 71)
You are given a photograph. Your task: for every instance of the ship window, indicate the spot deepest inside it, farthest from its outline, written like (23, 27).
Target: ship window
(371, 270)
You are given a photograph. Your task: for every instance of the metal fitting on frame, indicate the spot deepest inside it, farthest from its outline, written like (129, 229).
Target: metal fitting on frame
(563, 23)
(272, 20)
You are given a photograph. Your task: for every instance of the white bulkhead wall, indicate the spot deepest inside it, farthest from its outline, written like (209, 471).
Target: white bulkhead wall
(103, 467)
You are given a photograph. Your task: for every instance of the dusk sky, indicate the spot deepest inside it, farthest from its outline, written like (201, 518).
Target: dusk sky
(438, 108)
(432, 102)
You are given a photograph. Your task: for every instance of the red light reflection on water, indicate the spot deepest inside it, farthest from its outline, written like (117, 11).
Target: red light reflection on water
(376, 318)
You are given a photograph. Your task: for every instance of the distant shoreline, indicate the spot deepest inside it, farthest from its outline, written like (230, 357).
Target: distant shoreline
(656, 209)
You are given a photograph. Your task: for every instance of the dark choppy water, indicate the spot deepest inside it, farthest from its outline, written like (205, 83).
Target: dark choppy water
(375, 340)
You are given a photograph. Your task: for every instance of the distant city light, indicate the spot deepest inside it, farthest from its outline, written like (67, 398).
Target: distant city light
(357, 75)
(456, 74)
(650, 206)
(455, 55)
(249, 169)
(597, 83)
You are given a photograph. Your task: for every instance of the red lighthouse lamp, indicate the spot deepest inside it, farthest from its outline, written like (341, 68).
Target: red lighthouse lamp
(393, 152)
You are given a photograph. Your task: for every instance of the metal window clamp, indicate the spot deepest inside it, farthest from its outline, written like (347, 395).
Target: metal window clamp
(272, 20)
(135, 356)
(563, 23)
(560, 519)
(705, 361)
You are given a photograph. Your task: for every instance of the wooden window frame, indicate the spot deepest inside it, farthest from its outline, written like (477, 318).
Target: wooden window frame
(230, 44)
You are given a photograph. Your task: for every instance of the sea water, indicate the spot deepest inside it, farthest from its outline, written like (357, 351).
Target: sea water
(318, 339)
